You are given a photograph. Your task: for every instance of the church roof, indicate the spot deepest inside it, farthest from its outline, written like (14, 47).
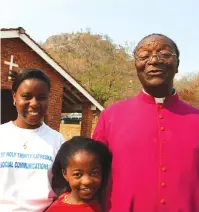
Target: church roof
(78, 93)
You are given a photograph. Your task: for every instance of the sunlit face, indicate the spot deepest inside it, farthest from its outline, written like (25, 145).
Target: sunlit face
(31, 100)
(156, 71)
(84, 175)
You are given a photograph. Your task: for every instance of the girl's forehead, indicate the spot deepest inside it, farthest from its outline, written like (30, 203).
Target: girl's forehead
(82, 158)
(83, 155)
(154, 42)
(32, 83)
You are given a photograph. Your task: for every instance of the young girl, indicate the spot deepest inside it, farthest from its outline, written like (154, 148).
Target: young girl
(80, 170)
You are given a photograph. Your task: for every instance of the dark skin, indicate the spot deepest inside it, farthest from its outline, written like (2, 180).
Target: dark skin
(84, 175)
(156, 76)
(31, 100)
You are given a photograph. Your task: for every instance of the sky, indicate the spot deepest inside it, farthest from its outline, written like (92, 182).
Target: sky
(123, 20)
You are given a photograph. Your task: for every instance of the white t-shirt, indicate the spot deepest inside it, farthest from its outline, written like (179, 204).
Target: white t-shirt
(25, 170)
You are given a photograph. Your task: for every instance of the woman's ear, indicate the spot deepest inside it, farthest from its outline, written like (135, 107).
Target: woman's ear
(64, 173)
(14, 98)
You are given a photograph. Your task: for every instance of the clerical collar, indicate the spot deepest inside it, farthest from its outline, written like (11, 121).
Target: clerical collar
(159, 100)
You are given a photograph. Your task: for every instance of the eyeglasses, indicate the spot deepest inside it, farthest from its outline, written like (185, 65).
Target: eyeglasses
(146, 56)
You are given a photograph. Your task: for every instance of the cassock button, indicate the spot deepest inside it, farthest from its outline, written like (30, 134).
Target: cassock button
(164, 169)
(160, 106)
(163, 185)
(162, 128)
(161, 117)
(163, 201)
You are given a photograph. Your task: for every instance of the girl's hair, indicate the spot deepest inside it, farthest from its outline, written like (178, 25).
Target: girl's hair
(69, 149)
(29, 73)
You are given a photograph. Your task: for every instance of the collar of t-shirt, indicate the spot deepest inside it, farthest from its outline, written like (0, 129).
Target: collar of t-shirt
(159, 100)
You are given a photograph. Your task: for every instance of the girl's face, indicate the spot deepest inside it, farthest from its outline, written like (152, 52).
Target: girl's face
(31, 100)
(84, 175)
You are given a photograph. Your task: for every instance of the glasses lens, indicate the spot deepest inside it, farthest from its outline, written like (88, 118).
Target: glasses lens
(164, 55)
(143, 56)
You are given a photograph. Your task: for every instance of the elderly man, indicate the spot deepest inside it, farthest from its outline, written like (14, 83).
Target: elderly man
(154, 138)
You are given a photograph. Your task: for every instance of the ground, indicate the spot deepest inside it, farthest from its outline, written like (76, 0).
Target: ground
(70, 130)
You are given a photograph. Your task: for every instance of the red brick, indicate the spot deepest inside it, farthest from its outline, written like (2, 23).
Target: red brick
(26, 58)
(86, 120)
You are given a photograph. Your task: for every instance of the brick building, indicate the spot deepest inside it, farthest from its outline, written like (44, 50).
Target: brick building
(19, 50)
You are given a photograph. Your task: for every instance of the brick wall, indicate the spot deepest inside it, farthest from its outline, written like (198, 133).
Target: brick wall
(25, 57)
(87, 117)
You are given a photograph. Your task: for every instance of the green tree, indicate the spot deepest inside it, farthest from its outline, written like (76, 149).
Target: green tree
(105, 69)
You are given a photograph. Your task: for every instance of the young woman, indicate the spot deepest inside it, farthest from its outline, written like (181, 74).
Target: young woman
(27, 146)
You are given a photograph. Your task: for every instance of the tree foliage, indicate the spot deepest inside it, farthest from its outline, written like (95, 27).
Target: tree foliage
(188, 89)
(103, 68)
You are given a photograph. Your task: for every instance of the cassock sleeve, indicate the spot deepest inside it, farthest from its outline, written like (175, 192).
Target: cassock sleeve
(100, 130)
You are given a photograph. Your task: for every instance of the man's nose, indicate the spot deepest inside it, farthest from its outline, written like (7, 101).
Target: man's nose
(153, 59)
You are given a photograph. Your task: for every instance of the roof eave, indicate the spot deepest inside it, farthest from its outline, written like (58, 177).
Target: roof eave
(15, 33)
(10, 34)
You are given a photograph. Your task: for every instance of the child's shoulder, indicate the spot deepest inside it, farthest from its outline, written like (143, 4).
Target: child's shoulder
(61, 206)
(60, 199)
(58, 205)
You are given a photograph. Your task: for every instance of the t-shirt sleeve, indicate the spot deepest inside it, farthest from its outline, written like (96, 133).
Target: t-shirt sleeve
(59, 141)
(62, 139)
(100, 130)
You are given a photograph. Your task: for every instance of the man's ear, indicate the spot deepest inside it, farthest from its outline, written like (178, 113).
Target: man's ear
(64, 173)
(178, 63)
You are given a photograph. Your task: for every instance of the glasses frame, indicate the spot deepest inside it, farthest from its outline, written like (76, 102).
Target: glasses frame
(152, 55)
